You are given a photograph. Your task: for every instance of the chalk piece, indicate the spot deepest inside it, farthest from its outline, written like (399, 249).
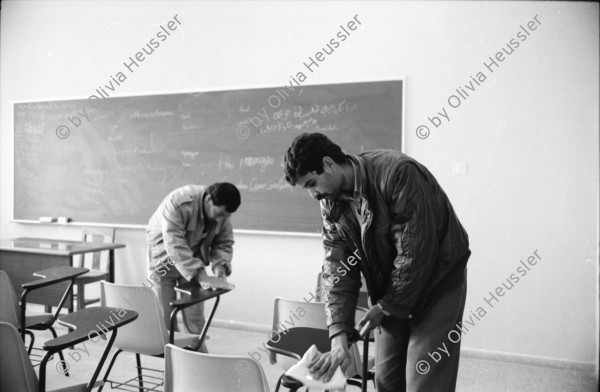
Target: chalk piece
(63, 219)
(47, 219)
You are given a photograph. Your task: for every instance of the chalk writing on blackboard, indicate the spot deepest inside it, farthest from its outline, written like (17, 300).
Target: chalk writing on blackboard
(117, 168)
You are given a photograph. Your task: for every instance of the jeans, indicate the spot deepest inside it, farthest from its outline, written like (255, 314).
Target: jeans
(193, 317)
(422, 357)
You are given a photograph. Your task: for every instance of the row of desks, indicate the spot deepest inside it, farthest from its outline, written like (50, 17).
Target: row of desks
(21, 257)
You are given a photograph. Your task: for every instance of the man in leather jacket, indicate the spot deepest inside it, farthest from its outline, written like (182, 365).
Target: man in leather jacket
(190, 230)
(386, 216)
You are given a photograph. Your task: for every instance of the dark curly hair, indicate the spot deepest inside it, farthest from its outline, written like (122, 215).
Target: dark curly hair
(225, 194)
(306, 155)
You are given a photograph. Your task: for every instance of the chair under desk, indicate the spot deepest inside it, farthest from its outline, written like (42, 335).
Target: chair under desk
(295, 341)
(21, 257)
(191, 295)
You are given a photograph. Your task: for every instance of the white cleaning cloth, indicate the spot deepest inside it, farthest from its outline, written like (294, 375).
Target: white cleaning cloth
(212, 282)
(301, 373)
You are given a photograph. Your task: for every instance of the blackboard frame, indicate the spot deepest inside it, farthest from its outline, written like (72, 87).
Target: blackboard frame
(401, 79)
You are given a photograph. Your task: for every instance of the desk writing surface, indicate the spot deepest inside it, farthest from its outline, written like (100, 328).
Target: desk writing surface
(54, 247)
(85, 323)
(193, 294)
(127, 153)
(21, 257)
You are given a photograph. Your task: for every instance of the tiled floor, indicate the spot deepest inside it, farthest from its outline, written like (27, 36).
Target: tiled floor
(475, 375)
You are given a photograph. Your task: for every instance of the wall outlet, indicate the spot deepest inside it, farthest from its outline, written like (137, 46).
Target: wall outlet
(459, 168)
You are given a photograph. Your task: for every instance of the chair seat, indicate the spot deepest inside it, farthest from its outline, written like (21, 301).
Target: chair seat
(290, 383)
(92, 276)
(183, 339)
(42, 318)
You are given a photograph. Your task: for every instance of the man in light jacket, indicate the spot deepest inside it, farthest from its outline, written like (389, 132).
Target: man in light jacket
(386, 216)
(190, 230)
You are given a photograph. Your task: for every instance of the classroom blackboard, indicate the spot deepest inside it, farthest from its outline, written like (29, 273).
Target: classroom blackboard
(112, 160)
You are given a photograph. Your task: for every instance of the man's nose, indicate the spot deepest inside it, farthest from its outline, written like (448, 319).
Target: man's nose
(313, 194)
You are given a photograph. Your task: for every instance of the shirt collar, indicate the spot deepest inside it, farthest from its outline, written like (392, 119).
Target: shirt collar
(357, 183)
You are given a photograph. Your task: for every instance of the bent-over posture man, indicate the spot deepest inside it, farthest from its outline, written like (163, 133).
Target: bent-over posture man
(189, 230)
(386, 216)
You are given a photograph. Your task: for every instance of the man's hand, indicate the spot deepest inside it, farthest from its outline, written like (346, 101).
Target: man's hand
(372, 320)
(201, 275)
(220, 273)
(325, 364)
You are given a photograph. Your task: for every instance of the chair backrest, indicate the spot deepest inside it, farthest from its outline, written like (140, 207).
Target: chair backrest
(95, 260)
(148, 334)
(289, 313)
(16, 370)
(192, 371)
(10, 311)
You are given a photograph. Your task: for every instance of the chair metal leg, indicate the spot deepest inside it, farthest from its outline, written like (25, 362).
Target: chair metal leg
(110, 365)
(80, 296)
(365, 365)
(32, 338)
(139, 370)
(60, 353)
(278, 383)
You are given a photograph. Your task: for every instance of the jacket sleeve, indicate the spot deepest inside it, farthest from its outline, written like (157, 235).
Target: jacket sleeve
(221, 248)
(341, 282)
(176, 246)
(413, 230)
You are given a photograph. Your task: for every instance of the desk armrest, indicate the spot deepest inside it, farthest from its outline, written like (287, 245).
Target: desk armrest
(54, 275)
(183, 291)
(287, 353)
(86, 323)
(195, 294)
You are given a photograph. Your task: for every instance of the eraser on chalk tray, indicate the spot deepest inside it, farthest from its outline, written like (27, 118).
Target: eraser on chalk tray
(47, 219)
(63, 219)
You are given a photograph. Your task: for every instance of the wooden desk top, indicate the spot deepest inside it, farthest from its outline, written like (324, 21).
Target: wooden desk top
(54, 247)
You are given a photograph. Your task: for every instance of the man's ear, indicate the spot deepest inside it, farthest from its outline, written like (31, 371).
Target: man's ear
(329, 164)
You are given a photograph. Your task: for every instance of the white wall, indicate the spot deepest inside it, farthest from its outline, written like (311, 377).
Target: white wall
(528, 134)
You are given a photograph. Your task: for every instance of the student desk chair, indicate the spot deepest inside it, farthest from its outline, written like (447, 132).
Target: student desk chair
(192, 371)
(100, 264)
(14, 312)
(148, 335)
(296, 341)
(192, 295)
(16, 369)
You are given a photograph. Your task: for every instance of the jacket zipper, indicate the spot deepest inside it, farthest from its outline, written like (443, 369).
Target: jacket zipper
(365, 265)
